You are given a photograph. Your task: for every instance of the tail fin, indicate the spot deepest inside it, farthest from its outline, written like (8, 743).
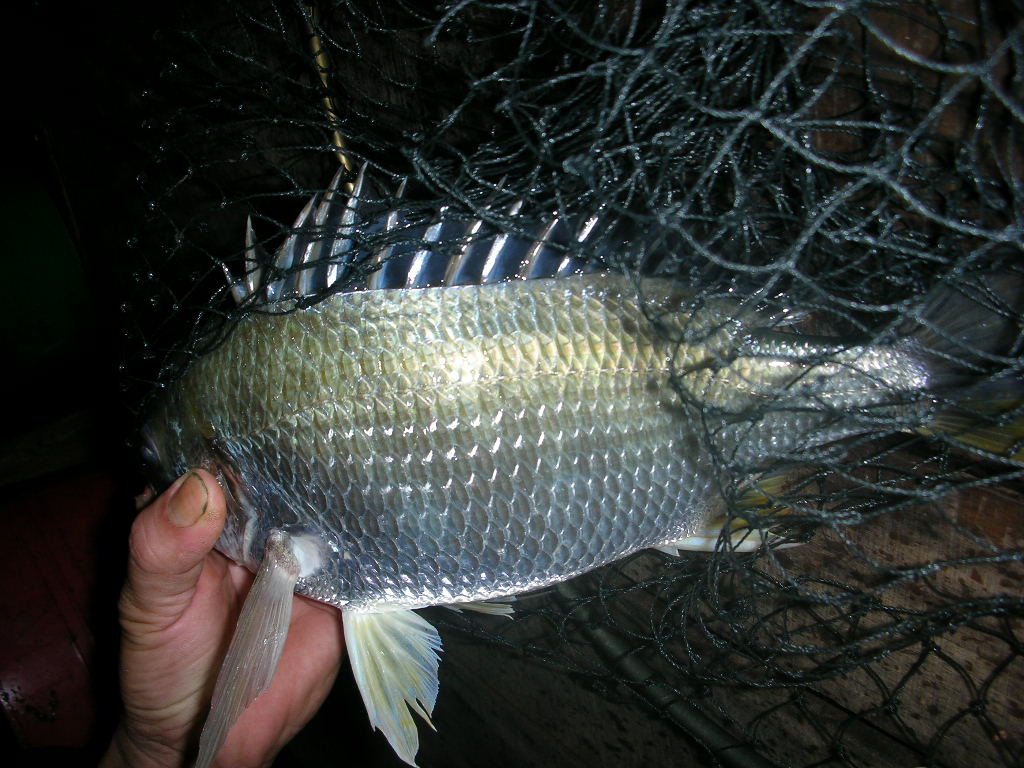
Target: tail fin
(993, 426)
(972, 327)
(971, 336)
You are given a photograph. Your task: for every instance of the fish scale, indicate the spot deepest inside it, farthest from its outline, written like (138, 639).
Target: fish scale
(455, 444)
(572, 413)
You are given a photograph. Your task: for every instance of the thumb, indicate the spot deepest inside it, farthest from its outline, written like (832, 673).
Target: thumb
(169, 542)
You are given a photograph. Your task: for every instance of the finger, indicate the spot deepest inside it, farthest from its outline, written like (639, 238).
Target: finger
(169, 541)
(144, 498)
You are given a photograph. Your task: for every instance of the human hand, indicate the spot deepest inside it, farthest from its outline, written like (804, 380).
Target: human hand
(178, 610)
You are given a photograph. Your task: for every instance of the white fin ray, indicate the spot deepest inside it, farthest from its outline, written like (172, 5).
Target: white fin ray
(460, 257)
(587, 229)
(255, 647)
(245, 286)
(237, 287)
(571, 265)
(542, 242)
(381, 255)
(500, 606)
(343, 242)
(456, 273)
(290, 254)
(741, 539)
(394, 658)
(492, 268)
(327, 232)
(255, 257)
(423, 256)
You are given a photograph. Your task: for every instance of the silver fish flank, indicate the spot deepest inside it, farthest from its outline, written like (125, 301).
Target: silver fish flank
(444, 444)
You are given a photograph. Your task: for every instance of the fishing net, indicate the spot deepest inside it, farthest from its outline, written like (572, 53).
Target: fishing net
(847, 161)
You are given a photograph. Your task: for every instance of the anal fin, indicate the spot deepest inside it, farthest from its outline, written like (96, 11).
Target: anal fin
(707, 541)
(741, 539)
(499, 606)
(394, 658)
(994, 426)
(757, 499)
(256, 646)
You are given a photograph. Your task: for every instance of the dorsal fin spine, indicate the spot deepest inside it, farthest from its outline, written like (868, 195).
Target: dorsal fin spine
(458, 259)
(489, 273)
(348, 217)
(322, 244)
(380, 256)
(529, 264)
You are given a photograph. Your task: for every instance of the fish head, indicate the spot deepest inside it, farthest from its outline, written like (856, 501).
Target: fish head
(178, 436)
(171, 443)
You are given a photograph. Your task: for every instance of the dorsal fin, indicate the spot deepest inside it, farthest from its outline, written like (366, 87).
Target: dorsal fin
(341, 242)
(291, 253)
(450, 249)
(382, 255)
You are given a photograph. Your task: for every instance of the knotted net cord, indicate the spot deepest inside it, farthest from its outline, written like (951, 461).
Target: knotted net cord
(841, 159)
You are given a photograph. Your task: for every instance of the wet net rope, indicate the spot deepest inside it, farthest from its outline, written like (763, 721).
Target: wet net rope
(850, 157)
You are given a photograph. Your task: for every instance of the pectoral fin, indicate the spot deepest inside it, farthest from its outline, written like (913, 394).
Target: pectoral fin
(394, 658)
(256, 646)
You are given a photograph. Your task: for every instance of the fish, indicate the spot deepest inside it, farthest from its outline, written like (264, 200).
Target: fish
(488, 414)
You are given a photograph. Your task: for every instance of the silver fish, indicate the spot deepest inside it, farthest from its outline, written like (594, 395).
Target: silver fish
(476, 425)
